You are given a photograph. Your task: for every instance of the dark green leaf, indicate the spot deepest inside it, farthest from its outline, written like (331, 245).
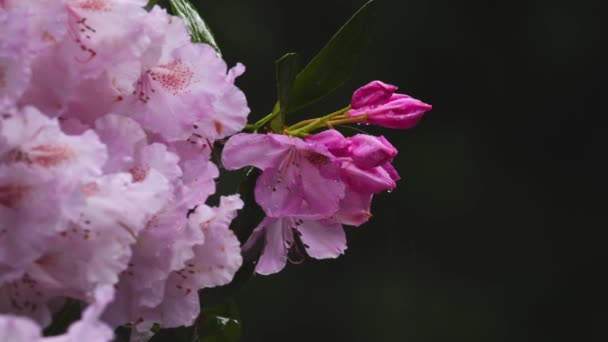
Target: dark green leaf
(181, 334)
(334, 64)
(221, 323)
(155, 328)
(199, 31)
(69, 313)
(122, 334)
(151, 3)
(276, 124)
(286, 72)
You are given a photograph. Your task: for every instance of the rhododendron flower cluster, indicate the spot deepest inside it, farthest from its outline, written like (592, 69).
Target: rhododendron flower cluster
(109, 118)
(108, 113)
(310, 188)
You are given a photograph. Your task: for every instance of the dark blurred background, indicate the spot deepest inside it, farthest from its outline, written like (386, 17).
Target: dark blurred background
(491, 234)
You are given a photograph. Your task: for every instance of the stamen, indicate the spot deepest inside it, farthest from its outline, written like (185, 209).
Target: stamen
(77, 28)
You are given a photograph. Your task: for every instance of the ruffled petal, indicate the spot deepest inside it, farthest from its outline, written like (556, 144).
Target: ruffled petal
(322, 239)
(260, 150)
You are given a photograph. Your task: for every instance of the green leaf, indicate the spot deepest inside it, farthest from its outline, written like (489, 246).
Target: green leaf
(122, 334)
(151, 3)
(199, 31)
(334, 64)
(221, 323)
(180, 334)
(286, 72)
(276, 123)
(69, 313)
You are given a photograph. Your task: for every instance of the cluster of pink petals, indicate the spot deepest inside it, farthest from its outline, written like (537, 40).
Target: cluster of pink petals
(309, 188)
(385, 108)
(107, 113)
(89, 328)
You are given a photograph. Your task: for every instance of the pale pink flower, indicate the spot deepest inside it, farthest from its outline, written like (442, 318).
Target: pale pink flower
(214, 262)
(184, 88)
(89, 328)
(15, 57)
(42, 171)
(36, 140)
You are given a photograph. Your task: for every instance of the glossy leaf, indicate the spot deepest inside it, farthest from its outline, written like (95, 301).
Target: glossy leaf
(151, 3)
(334, 64)
(286, 72)
(199, 31)
(69, 313)
(220, 323)
(276, 124)
(122, 334)
(180, 334)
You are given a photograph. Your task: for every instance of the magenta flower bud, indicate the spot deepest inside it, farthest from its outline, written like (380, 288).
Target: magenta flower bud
(401, 112)
(372, 180)
(368, 151)
(335, 142)
(372, 94)
(390, 170)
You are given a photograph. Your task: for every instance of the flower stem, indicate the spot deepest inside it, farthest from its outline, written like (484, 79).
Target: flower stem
(303, 127)
(347, 120)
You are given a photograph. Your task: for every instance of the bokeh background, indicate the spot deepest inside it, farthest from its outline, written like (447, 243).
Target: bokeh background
(490, 235)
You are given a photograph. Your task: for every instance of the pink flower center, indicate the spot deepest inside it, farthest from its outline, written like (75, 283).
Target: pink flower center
(317, 159)
(49, 155)
(46, 156)
(12, 194)
(23, 294)
(90, 189)
(95, 5)
(138, 173)
(175, 77)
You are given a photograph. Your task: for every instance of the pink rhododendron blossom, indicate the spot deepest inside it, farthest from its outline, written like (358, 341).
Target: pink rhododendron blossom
(298, 178)
(310, 187)
(42, 172)
(384, 108)
(320, 239)
(214, 260)
(108, 113)
(89, 328)
(109, 116)
(15, 58)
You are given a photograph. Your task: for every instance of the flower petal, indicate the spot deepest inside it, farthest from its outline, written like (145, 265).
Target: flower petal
(259, 150)
(322, 239)
(274, 255)
(279, 191)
